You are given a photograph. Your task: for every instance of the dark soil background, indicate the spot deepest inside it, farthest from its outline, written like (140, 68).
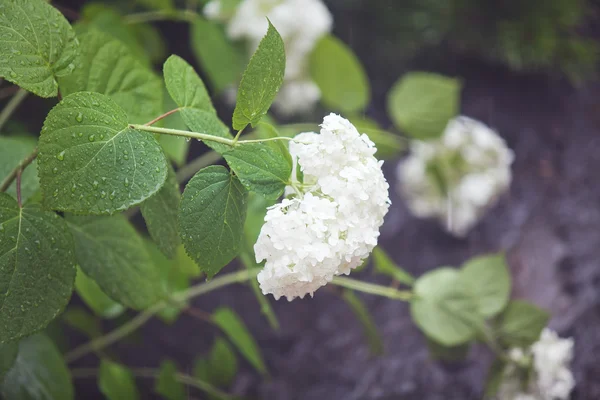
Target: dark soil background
(548, 224)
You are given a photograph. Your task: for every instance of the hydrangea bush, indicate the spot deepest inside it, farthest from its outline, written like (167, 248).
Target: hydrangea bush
(297, 208)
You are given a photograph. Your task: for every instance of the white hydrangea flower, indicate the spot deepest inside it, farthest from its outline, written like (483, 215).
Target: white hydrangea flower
(301, 23)
(333, 224)
(457, 177)
(552, 378)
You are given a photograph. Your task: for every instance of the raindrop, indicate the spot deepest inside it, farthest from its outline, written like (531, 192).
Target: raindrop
(55, 170)
(95, 184)
(80, 134)
(126, 182)
(61, 156)
(91, 138)
(79, 117)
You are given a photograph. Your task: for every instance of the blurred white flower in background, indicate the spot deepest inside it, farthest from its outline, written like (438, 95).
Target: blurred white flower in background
(301, 23)
(551, 379)
(457, 177)
(333, 223)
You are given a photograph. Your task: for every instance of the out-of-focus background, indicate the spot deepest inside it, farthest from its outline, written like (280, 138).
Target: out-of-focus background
(529, 70)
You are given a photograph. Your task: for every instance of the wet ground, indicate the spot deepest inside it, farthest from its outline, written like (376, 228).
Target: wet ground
(548, 223)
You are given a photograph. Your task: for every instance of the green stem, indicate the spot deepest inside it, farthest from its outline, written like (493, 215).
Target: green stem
(18, 169)
(143, 317)
(83, 373)
(161, 15)
(371, 288)
(12, 105)
(203, 136)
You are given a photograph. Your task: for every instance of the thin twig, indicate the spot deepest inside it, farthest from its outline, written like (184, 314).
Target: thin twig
(371, 288)
(13, 174)
(19, 202)
(161, 15)
(12, 105)
(155, 120)
(143, 317)
(86, 373)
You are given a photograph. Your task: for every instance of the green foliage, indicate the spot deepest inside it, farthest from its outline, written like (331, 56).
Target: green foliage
(107, 66)
(82, 321)
(167, 384)
(189, 93)
(8, 355)
(229, 322)
(385, 266)
(110, 251)
(160, 214)
(340, 76)
(521, 324)
(444, 309)
(37, 46)
(211, 218)
(116, 382)
(261, 168)
(91, 162)
(421, 104)
(362, 314)
(222, 60)
(37, 268)
(12, 151)
(389, 145)
(221, 365)
(95, 298)
(261, 81)
(488, 278)
(176, 148)
(494, 379)
(39, 373)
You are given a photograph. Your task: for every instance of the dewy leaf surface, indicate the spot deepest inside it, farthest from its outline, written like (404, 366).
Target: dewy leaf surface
(261, 81)
(91, 162)
(37, 268)
(37, 45)
(107, 66)
(110, 251)
(211, 218)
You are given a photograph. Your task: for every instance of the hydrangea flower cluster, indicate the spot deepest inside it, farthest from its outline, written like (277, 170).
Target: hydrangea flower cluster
(552, 378)
(301, 23)
(457, 177)
(331, 222)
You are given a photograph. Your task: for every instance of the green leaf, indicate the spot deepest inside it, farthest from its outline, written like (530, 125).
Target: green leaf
(220, 367)
(160, 214)
(389, 145)
(12, 151)
(444, 309)
(236, 331)
(82, 321)
(37, 268)
(106, 19)
(494, 379)
(340, 76)
(37, 46)
(175, 147)
(109, 250)
(444, 353)
(421, 104)
(107, 66)
(185, 86)
(189, 93)
(167, 384)
(164, 5)
(39, 373)
(211, 218)
(261, 81)
(489, 280)
(91, 162)
(385, 266)
(364, 317)
(95, 298)
(8, 355)
(116, 382)
(521, 324)
(261, 168)
(222, 61)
